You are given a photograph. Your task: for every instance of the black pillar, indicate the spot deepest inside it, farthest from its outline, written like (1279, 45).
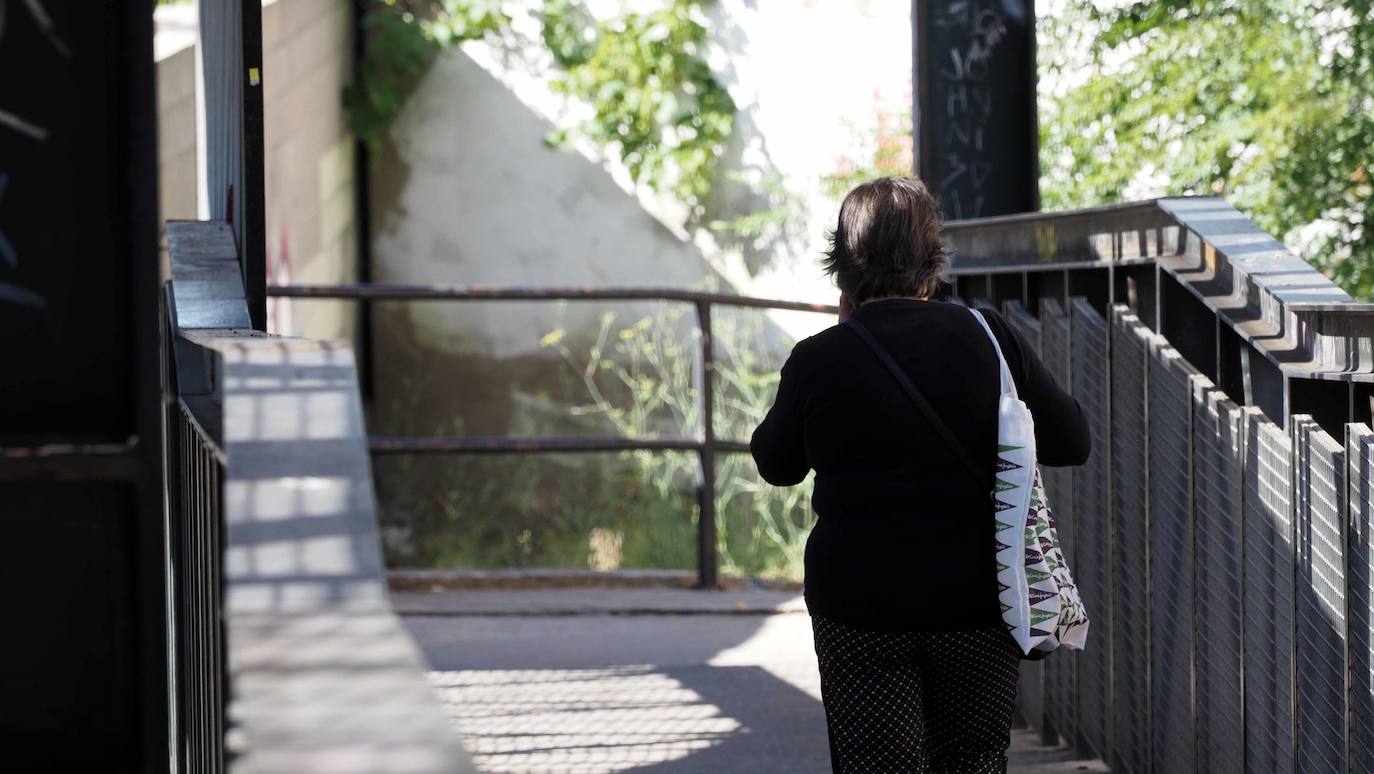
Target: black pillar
(83, 657)
(231, 55)
(975, 120)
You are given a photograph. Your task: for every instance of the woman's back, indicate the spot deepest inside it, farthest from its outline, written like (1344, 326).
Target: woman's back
(905, 537)
(918, 671)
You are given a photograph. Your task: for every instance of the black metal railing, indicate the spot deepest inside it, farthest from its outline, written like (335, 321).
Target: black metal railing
(1221, 533)
(706, 445)
(285, 654)
(196, 545)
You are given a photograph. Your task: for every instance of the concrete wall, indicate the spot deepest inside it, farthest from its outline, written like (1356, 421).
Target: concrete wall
(177, 103)
(469, 194)
(307, 60)
(472, 195)
(309, 180)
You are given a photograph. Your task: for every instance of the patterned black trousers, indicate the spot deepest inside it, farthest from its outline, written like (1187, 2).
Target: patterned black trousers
(917, 702)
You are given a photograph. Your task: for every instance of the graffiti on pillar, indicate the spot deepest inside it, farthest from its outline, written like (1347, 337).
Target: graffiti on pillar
(976, 115)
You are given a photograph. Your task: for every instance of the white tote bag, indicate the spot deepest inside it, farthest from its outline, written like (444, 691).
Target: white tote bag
(1040, 601)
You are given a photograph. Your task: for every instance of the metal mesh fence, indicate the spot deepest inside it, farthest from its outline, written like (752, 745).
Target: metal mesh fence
(1171, 562)
(1131, 600)
(1227, 564)
(1321, 608)
(1031, 686)
(1217, 580)
(1268, 503)
(1360, 453)
(1060, 682)
(1024, 323)
(1092, 563)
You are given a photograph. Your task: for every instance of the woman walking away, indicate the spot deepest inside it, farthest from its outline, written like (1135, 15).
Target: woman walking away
(918, 670)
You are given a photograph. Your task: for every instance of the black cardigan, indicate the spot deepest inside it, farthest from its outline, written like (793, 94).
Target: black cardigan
(904, 539)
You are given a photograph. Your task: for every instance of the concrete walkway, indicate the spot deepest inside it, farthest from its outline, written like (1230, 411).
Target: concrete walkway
(645, 680)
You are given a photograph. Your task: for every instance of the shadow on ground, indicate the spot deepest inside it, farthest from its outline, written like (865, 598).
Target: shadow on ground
(712, 682)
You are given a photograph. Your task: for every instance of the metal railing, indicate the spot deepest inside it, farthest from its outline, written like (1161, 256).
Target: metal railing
(197, 674)
(1221, 533)
(706, 445)
(284, 652)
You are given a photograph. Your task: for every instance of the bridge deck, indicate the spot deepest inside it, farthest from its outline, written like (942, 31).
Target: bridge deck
(662, 680)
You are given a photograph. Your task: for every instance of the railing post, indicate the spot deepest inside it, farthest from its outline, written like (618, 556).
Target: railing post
(707, 570)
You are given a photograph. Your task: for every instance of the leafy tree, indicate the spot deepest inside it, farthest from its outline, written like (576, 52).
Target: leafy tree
(644, 74)
(1269, 103)
(654, 97)
(403, 39)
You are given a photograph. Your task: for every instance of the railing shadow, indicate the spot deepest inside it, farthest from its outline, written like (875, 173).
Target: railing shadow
(616, 695)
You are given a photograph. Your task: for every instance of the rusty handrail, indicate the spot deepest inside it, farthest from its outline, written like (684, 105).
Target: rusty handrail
(706, 447)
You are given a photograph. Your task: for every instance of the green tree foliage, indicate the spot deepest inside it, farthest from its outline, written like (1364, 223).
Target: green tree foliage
(403, 38)
(653, 95)
(1269, 103)
(654, 100)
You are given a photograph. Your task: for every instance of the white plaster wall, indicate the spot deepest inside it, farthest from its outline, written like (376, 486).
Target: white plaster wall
(473, 196)
(483, 201)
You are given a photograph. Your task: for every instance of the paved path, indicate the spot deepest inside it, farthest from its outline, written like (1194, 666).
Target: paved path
(644, 680)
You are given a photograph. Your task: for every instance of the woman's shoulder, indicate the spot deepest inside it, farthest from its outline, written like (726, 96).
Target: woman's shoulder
(818, 344)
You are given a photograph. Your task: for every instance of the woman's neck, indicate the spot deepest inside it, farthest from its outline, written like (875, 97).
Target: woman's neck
(893, 298)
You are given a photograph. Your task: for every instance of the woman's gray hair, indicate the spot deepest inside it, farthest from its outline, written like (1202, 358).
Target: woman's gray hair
(887, 241)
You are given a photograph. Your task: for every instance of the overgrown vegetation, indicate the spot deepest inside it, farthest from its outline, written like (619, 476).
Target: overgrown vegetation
(634, 509)
(402, 39)
(1268, 103)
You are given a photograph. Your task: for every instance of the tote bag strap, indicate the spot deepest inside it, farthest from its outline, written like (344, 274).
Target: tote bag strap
(1008, 383)
(979, 474)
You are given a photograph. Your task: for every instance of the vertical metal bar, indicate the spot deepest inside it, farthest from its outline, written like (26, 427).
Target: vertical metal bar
(1268, 595)
(707, 565)
(1360, 557)
(1191, 533)
(1092, 531)
(1170, 557)
(216, 668)
(182, 585)
(1322, 644)
(1130, 539)
(198, 567)
(362, 215)
(253, 170)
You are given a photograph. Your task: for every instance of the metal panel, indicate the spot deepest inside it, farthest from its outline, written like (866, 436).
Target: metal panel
(1268, 525)
(1092, 562)
(1217, 578)
(1030, 692)
(1321, 604)
(1060, 680)
(1360, 453)
(1171, 562)
(1023, 323)
(1130, 515)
